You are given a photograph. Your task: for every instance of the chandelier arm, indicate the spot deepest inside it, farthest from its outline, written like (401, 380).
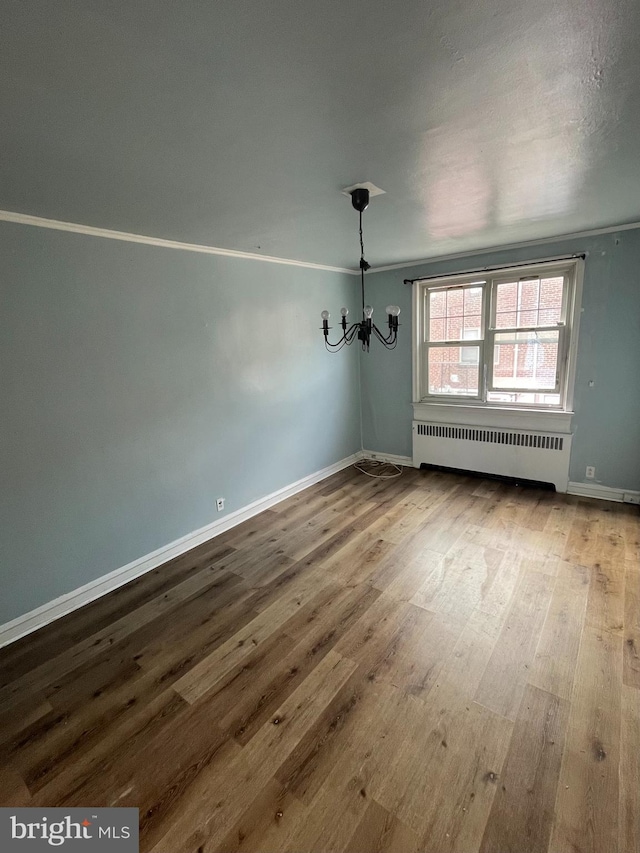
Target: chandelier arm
(346, 340)
(389, 344)
(347, 337)
(337, 343)
(334, 347)
(389, 339)
(352, 332)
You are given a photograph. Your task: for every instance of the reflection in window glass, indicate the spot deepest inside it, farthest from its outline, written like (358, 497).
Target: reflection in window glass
(529, 302)
(470, 355)
(526, 360)
(448, 374)
(454, 313)
(523, 399)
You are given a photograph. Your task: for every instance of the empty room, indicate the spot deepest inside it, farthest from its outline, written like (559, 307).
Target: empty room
(320, 434)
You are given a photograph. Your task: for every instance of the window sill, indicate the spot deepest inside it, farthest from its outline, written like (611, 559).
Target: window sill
(541, 420)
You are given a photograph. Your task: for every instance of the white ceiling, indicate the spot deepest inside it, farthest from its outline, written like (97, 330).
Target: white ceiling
(237, 123)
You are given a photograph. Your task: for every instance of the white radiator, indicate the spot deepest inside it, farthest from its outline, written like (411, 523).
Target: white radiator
(541, 456)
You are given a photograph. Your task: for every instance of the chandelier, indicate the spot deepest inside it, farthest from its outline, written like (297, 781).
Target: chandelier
(365, 328)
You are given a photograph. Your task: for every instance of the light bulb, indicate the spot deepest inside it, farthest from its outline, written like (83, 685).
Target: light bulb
(368, 311)
(344, 311)
(325, 315)
(393, 310)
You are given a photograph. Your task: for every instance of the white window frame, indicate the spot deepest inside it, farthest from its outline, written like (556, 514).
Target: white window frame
(452, 344)
(426, 404)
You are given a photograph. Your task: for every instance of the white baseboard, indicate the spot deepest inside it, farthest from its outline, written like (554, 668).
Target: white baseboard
(405, 461)
(46, 613)
(604, 493)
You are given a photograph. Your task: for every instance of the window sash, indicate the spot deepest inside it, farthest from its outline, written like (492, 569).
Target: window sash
(496, 282)
(473, 283)
(561, 361)
(452, 345)
(479, 285)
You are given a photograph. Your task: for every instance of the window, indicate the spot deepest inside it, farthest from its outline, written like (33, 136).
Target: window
(506, 339)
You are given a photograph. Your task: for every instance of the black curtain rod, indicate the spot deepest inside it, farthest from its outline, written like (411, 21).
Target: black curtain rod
(491, 269)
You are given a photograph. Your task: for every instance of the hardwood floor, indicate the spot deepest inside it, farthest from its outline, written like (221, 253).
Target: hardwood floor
(432, 663)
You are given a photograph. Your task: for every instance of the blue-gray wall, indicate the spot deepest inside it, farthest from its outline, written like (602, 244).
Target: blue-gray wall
(138, 384)
(607, 417)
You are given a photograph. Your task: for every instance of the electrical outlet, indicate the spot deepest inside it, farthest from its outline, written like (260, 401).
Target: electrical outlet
(590, 472)
(220, 504)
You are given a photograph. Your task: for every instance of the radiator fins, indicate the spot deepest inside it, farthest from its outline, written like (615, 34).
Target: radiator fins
(490, 436)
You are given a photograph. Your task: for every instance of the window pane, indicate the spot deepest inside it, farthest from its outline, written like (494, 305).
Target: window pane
(470, 355)
(527, 307)
(549, 316)
(471, 330)
(472, 300)
(437, 329)
(449, 373)
(523, 398)
(527, 318)
(455, 302)
(551, 291)
(454, 313)
(437, 303)
(526, 360)
(506, 302)
(529, 302)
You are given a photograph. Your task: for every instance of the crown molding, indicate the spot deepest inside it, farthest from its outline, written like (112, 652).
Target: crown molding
(124, 236)
(435, 259)
(127, 237)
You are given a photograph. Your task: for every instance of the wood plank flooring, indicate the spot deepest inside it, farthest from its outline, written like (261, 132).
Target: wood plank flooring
(431, 663)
